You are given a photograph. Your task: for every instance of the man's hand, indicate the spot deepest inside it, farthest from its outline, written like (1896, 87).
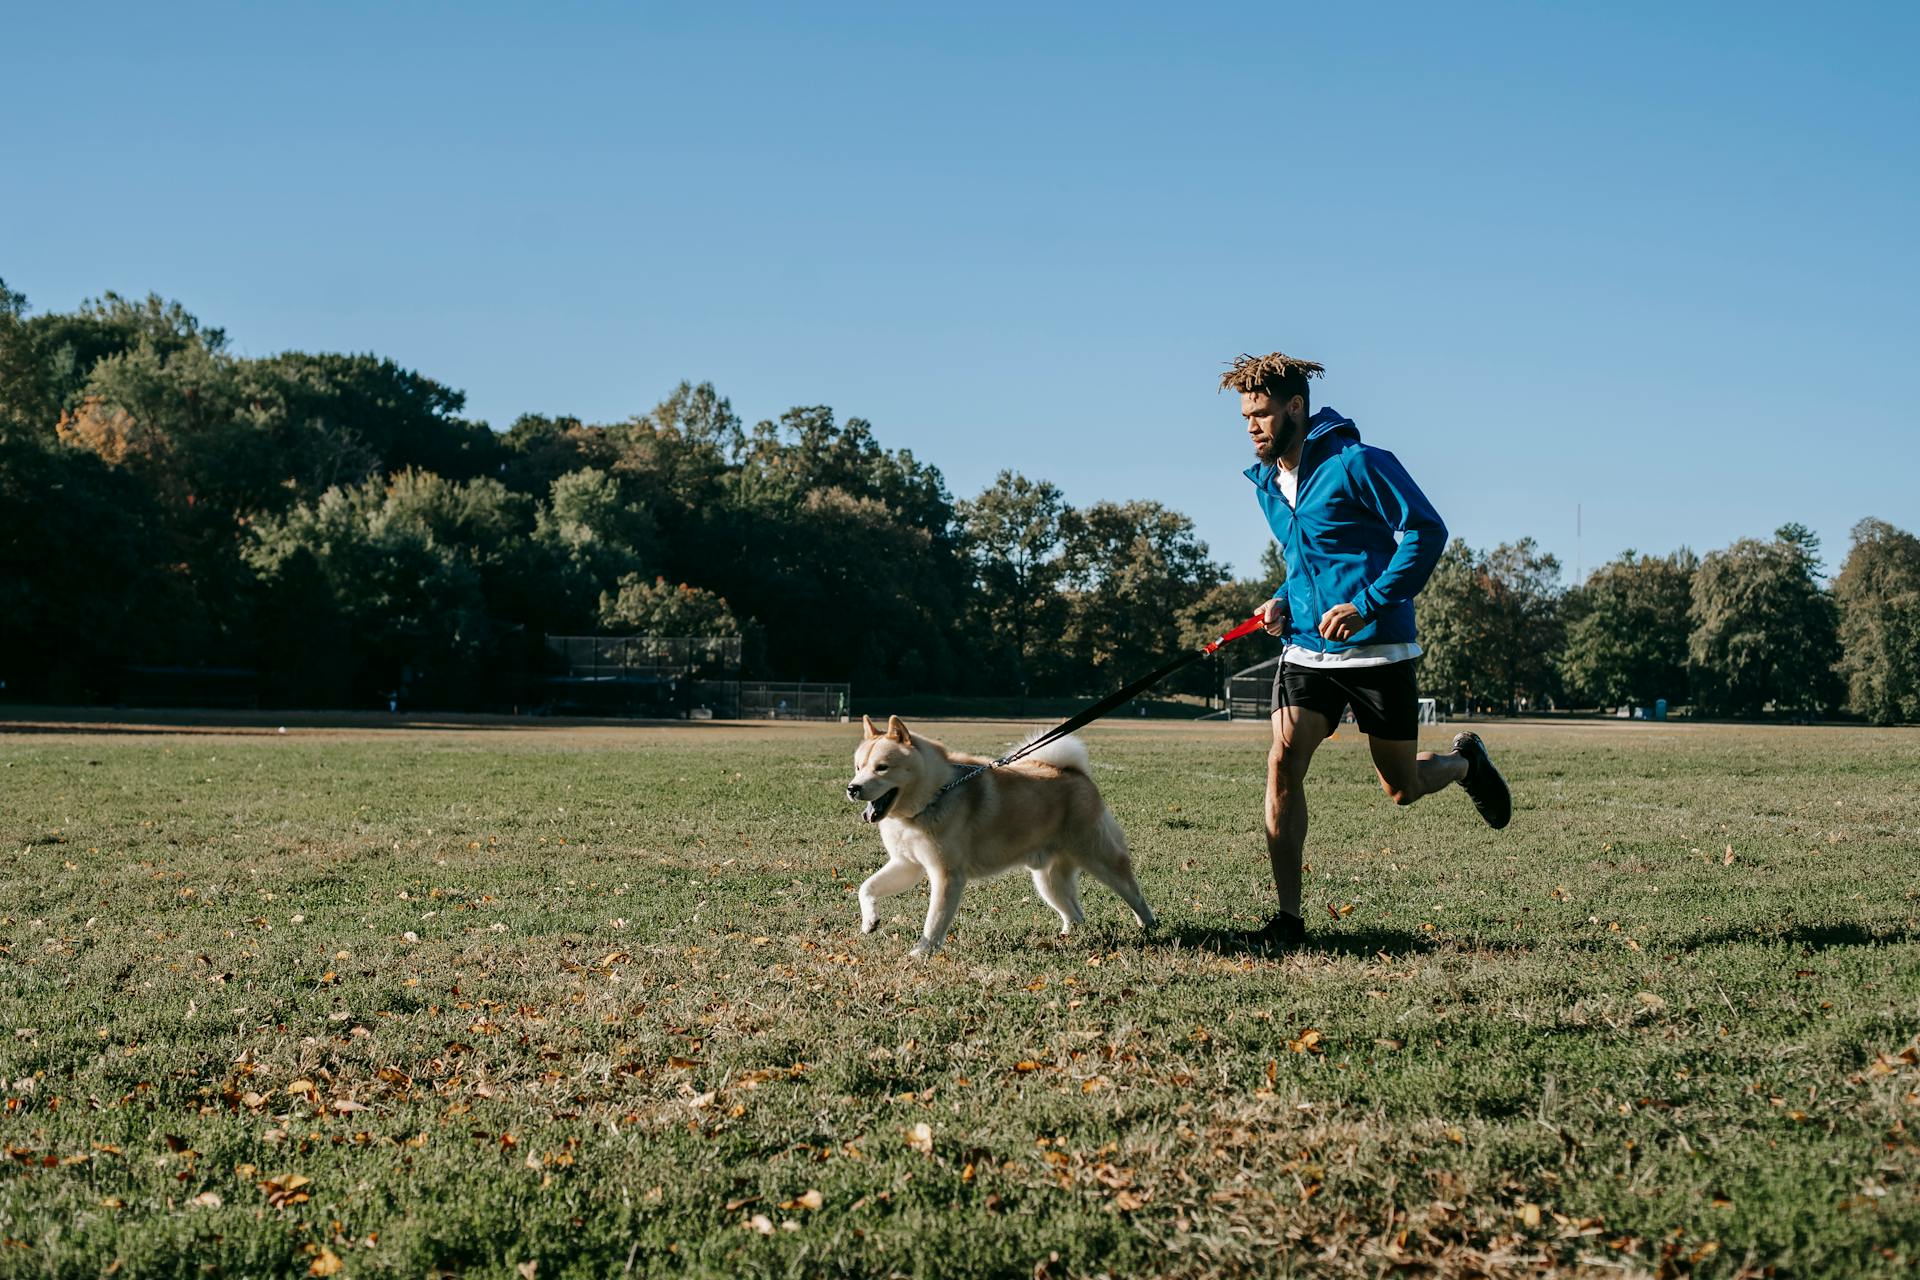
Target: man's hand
(1275, 616)
(1341, 622)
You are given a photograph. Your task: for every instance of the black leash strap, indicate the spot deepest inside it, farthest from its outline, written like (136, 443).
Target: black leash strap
(1087, 716)
(1083, 718)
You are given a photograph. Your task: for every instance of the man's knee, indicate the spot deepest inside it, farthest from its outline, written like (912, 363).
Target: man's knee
(1403, 792)
(1286, 769)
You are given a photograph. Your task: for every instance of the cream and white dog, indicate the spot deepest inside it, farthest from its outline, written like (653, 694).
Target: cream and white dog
(1043, 813)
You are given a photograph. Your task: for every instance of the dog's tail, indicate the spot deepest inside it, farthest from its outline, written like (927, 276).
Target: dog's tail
(1065, 753)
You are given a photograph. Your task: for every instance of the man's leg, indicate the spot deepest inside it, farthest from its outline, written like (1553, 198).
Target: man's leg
(1386, 703)
(1408, 773)
(1296, 733)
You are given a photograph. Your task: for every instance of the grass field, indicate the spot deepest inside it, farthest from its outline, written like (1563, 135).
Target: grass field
(592, 1001)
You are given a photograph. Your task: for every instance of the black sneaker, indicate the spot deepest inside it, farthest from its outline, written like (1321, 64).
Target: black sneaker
(1282, 933)
(1483, 782)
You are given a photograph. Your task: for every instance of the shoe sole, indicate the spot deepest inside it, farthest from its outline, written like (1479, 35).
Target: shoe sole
(1495, 808)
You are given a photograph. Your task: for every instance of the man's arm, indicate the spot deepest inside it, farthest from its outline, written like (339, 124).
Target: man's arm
(1384, 485)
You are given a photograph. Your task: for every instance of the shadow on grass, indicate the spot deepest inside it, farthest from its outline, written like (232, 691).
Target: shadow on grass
(1354, 942)
(1396, 944)
(1811, 937)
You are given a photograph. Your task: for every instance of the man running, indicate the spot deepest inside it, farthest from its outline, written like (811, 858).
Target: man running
(1360, 540)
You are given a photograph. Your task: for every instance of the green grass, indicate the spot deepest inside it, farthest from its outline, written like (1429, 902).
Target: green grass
(600, 1001)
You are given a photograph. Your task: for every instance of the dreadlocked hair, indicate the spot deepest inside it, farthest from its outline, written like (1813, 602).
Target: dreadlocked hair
(1279, 375)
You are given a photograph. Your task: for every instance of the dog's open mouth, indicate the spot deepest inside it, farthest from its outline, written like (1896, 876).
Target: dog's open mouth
(877, 808)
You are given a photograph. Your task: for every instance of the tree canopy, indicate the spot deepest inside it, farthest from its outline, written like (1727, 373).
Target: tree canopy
(334, 523)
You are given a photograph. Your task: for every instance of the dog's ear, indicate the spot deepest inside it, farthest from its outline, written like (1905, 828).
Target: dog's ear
(867, 722)
(898, 731)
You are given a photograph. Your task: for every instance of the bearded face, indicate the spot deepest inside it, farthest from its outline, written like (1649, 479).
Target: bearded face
(1272, 426)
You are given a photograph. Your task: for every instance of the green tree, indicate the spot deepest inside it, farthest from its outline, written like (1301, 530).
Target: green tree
(847, 554)
(1454, 626)
(365, 563)
(1012, 536)
(1627, 637)
(25, 401)
(85, 586)
(1878, 594)
(1764, 631)
(538, 450)
(1490, 626)
(364, 405)
(662, 608)
(1133, 571)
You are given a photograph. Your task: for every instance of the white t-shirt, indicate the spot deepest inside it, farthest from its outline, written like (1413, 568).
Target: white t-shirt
(1364, 655)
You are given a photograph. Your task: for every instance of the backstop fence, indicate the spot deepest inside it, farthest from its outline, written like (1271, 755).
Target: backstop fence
(676, 677)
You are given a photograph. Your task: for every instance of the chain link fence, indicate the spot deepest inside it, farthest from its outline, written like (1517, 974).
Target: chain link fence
(799, 700)
(1249, 692)
(676, 677)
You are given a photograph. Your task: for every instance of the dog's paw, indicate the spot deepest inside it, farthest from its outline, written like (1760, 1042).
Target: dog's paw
(920, 950)
(869, 924)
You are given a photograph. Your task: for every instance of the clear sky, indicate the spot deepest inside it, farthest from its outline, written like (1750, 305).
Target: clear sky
(1655, 261)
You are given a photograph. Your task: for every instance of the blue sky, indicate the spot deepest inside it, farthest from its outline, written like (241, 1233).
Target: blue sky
(1654, 261)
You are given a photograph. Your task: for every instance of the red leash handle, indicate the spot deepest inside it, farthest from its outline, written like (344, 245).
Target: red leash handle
(1246, 628)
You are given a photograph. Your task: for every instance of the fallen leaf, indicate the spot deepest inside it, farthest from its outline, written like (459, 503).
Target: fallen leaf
(810, 1199)
(285, 1190)
(207, 1200)
(920, 1138)
(529, 1269)
(326, 1264)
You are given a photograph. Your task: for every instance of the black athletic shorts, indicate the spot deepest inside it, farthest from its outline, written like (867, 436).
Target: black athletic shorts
(1385, 698)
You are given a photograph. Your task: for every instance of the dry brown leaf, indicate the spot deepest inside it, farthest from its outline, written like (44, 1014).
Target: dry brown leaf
(326, 1264)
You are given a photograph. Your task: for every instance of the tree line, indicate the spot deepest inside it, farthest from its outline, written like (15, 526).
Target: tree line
(1743, 631)
(332, 526)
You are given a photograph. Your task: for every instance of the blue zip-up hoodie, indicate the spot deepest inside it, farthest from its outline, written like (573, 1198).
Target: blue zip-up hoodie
(1339, 537)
